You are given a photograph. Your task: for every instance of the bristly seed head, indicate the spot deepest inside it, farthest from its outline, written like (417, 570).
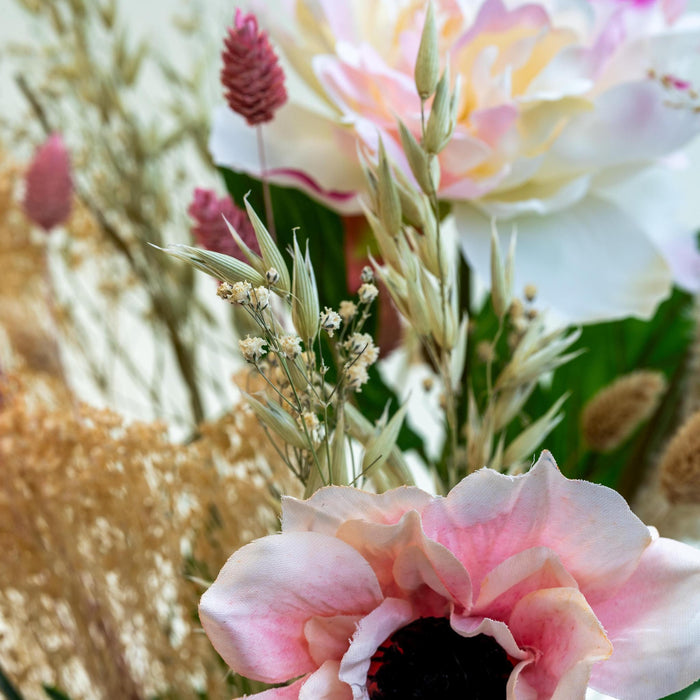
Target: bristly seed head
(252, 78)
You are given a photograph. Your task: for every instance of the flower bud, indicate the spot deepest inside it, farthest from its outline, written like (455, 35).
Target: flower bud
(427, 70)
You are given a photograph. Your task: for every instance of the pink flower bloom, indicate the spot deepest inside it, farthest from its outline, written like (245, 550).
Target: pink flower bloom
(210, 230)
(251, 76)
(526, 588)
(48, 185)
(562, 106)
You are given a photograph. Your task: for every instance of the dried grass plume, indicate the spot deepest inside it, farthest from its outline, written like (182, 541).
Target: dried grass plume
(618, 409)
(680, 464)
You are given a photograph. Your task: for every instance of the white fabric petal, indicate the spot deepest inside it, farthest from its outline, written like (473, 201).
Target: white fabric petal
(590, 262)
(321, 158)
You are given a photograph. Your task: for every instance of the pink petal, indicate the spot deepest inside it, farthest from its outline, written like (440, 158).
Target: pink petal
(256, 610)
(372, 631)
(288, 692)
(331, 506)
(325, 684)
(329, 637)
(523, 573)
(470, 626)
(653, 622)
(489, 517)
(567, 638)
(407, 564)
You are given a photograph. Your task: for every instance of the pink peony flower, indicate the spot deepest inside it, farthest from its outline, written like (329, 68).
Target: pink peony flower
(563, 106)
(526, 588)
(48, 185)
(251, 76)
(210, 230)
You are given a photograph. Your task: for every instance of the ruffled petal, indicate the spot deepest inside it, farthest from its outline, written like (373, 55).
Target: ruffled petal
(256, 610)
(525, 572)
(324, 684)
(329, 637)
(653, 621)
(560, 254)
(567, 638)
(373, 630)
(489, 517)
(407, 564)
(331, 506)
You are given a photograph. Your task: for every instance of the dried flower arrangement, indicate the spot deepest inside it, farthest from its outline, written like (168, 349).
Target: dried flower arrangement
(455, 132)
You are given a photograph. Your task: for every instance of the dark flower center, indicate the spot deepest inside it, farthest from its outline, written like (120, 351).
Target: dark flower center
(428, 659)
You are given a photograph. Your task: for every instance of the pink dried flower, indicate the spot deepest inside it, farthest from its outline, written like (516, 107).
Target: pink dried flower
(527, 588)
(251, 76)
(48, 185)
(210, 230)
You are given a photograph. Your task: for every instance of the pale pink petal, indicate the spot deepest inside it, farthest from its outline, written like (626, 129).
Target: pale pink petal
(326, 153)
(371, 633)
(489, 517)
(255, 611)
(567, 638)
(408, 565)
(325, 684)
(329, 637)
(560, 254)
(630, 123)
(653, 622)
(527, 571)
(287, 692)
(331, 506)
(469, 626)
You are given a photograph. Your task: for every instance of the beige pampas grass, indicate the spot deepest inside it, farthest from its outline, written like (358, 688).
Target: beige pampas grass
(618, 409)
(680, 464)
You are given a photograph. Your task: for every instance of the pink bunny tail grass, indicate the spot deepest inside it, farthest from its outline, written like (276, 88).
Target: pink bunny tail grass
(49, 186)
(252, 78)
(210, 230)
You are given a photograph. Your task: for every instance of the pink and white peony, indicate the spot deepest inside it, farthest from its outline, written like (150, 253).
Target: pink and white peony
(526, 588)
(568, 113)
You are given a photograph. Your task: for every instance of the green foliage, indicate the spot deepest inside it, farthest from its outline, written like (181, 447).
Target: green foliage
(611, 350)
(8, 689)
(55, 693)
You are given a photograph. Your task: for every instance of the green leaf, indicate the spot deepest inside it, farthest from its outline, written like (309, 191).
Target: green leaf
(611, 350)
(7, 689)
(54, 693)
(686, 693)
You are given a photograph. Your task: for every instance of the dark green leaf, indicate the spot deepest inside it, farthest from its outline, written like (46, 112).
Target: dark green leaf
(55, 693)
(7, 689)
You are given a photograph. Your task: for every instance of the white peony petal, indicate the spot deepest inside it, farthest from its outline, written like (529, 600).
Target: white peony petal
(590, 262)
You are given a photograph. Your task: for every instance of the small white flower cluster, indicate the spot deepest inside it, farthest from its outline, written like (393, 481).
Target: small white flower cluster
(252, 348)
(363, 353)
(330, 321)
(242, 293)
(367, 293)
(290, 346)
(347, 310)
(316, 429)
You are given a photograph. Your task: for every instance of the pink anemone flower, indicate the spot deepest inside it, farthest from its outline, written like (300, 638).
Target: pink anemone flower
(530, 587)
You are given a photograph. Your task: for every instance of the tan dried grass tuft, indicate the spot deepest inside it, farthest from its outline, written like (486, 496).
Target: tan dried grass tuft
(680, 465)
(105, 529)
(618, 409)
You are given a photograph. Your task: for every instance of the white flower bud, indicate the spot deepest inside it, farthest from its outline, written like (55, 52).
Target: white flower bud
(252, 349)
(367, 293)
(330, 321)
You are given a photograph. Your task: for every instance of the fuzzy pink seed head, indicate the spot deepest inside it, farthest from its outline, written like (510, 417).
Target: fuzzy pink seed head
(252, 78)
(48, 192)
(209, 229)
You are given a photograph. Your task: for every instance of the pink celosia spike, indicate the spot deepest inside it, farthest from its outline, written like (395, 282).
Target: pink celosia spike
(48, 185)
(252, 78)
(210, 230)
